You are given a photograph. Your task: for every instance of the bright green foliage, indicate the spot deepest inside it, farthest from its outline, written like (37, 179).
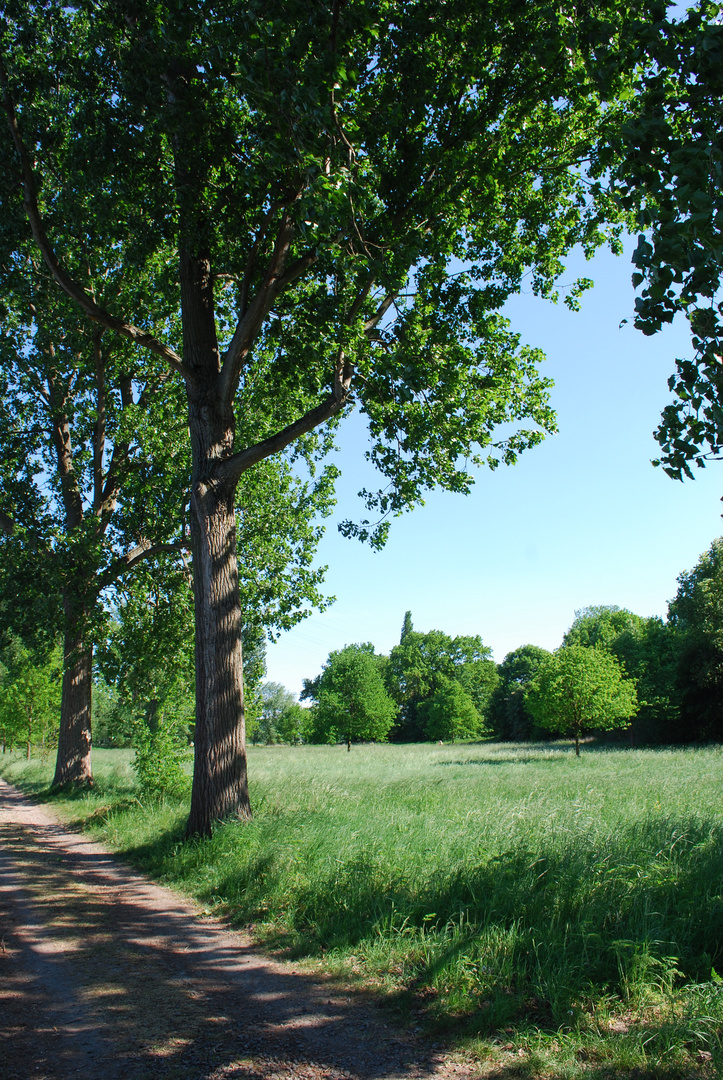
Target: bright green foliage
(160, 754)
(29, 695)
(294, 724)
(340, 200)
(422, 663)
(450, 713)
(696, 614)
(648, 650)
(509, 717)
(111, 724)
(352, 704)
(668, 163)
(577, 689)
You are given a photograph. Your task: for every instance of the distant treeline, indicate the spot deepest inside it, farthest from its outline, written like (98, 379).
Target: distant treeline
(433, 686)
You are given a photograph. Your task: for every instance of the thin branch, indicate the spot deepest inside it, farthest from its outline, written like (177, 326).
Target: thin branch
(99, 426)
(381, 311)
(248, 326)
(60, 274)
(251, 261)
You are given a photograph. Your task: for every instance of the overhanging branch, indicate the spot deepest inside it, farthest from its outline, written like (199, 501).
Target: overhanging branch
(232, 467)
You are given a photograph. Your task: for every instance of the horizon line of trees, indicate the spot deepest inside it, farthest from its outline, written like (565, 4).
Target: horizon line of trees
(661, 680)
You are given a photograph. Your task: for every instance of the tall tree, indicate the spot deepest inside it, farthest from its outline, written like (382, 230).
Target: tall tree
(321, 177)
(92, 478)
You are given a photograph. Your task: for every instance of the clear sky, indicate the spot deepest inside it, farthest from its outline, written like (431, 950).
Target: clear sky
(582, 519)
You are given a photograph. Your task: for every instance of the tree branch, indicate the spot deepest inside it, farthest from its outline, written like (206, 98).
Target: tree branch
(231, 468)
(60, 274)
(275, 280)
(7, 525)
(132, 558)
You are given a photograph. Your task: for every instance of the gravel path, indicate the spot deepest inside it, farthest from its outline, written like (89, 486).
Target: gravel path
(105, 975)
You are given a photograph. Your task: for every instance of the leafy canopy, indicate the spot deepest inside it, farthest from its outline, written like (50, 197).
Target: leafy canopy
(667, 164)
(379, 145)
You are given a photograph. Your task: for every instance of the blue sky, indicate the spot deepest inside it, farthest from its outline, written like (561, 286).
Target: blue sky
(582, 519)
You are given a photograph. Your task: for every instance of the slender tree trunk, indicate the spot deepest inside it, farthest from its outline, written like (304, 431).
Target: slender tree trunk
(73, 764)
(577, 744)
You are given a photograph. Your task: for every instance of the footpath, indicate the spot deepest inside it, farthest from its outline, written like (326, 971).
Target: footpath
(106, 976)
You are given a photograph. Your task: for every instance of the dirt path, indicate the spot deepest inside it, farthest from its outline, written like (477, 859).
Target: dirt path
(105, 975)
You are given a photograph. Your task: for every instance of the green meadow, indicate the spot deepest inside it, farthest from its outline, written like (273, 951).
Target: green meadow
(551, 916)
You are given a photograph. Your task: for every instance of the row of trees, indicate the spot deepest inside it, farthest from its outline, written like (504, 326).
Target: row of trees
(223, 230)
(663, 680)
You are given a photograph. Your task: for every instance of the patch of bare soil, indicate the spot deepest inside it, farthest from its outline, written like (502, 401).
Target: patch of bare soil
(106, 975)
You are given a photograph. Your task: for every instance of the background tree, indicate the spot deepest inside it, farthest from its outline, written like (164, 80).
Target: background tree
(647, 648)
(509, 716)
(450, 713)
(696, 615)
(421, 664)
(294, 167)
(30, 687)
(90, 483)
(351, 703)
(276, 704)
(578, 689)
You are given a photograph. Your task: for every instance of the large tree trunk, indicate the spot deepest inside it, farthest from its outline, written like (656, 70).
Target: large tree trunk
(73, 763)
(220, 787)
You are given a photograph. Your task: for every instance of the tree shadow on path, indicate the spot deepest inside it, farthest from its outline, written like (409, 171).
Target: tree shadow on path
(107, 975)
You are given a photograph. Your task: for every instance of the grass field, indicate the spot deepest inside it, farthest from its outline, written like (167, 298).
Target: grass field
(560, 917)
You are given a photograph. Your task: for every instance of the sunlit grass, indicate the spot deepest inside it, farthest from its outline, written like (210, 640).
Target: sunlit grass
(509, 898)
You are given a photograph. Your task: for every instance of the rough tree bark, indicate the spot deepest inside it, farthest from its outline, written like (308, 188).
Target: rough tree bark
(220, 787)
(73, 765)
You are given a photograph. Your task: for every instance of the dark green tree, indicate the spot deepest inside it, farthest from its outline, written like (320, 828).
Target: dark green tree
(351, 703)
(421, 664)
(509, 717)
(579, 689)
(319, 178)
(696, 615)
(450, 714)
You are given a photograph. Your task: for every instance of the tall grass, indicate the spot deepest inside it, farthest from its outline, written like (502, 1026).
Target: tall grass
(509, 896)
